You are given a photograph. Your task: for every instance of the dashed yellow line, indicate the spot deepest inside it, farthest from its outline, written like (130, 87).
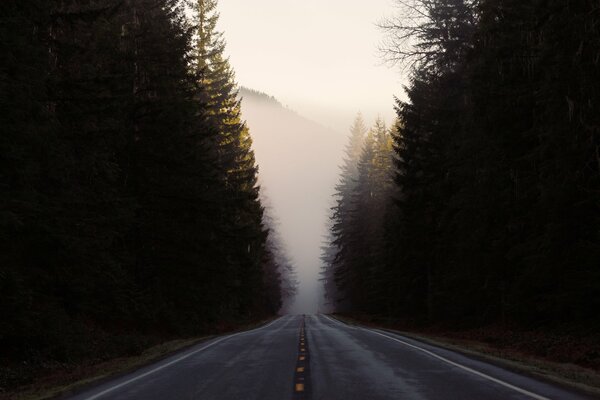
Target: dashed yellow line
(300, 380)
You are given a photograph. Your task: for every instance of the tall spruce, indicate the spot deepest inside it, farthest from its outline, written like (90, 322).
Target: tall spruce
(496, 165)
(335, 248)
(356, 253)
(243, 235)
(128, 210)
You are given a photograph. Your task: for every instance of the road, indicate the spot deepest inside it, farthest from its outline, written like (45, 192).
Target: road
(319, 358)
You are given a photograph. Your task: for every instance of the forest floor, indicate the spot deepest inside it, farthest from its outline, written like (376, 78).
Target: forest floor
(64, 379)
(570, 358)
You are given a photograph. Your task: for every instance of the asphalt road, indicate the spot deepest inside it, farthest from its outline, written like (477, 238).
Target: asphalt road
(319, 358)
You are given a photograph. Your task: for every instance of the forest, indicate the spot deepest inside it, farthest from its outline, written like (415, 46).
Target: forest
(481, 204)
(129, 206)
(131, 212)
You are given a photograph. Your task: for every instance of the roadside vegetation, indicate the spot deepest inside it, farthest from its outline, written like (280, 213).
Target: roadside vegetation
(130, 213)
(565, 358)
(481, 218)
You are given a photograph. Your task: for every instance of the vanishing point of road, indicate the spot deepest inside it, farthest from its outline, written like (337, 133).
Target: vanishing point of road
(319, 358)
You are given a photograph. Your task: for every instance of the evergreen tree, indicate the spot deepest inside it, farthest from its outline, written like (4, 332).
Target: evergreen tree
(242, 212)
(335, 251)
(129, 208)
(370, 199)
(28, 132)
(364, 194)
(425, 146)
(280, 277)
(497, 211)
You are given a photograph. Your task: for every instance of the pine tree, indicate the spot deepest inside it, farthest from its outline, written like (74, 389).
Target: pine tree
(495, 164)
(280, 277)
(129, 208)
(425, 146)
(28, 133)
(243, 233)
(364, 195)
(370, 199)
(336, 250)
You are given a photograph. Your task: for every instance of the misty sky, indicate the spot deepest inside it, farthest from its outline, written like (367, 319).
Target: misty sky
(319, 57)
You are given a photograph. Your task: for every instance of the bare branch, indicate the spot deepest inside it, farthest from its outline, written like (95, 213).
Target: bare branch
(403, 33)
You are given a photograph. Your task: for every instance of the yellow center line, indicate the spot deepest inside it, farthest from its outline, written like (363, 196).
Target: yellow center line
(299, 385)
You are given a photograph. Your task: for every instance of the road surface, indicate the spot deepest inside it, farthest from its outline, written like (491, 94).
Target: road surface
(319, 358)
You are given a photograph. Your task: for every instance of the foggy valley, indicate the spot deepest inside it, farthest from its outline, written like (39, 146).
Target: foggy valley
(298, 163)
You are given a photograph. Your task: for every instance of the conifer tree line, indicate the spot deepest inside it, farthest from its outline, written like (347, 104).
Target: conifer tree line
(352, 252)
(129, 204)
(493, 213)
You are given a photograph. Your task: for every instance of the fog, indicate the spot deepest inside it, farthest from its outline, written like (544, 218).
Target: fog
(298, 165)
(319, 59)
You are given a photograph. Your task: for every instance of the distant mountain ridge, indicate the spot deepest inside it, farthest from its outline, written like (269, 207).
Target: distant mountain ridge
(258, 96)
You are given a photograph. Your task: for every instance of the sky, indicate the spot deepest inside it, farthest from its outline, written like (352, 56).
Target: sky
(318, 57)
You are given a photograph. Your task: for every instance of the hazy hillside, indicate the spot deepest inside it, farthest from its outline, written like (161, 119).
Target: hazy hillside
(298, 161)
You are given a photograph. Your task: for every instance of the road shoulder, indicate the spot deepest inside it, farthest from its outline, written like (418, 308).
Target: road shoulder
(94, 374)
(569, 376)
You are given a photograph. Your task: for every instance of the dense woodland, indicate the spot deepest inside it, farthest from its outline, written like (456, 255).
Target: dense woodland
(129, 205)
(487, 210)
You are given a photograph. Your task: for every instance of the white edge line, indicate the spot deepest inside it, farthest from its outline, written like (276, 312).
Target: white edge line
(187, 355)
(471, 370)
